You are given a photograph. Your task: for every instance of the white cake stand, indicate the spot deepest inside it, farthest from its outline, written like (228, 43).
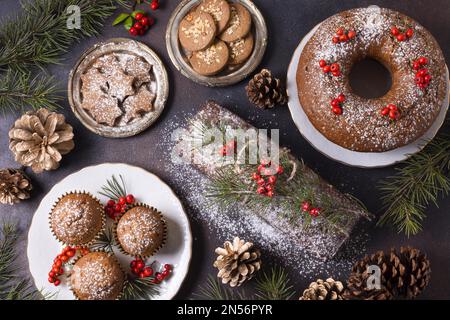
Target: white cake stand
(147, 188)
(338, 153)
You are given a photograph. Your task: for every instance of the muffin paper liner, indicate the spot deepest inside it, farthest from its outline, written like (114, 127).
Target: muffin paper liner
(96, 237)
(111, 254)
(116, 238)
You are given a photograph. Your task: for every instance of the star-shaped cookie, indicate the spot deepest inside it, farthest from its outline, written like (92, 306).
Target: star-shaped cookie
(93, 81)
(104, 109)
(140, 103)
(138, 68)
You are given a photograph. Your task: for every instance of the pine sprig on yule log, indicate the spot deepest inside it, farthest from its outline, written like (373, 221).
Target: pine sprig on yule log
(231, 184)
(419, 183)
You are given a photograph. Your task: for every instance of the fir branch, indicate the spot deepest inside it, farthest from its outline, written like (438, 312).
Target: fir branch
(140, 289)
(114, 189)
(105, 241)
(214, 290)
(39, 35)
(274, 286)
(19, 90)
(418, 184)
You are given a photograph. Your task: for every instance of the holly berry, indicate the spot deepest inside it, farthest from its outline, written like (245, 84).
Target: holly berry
(256, 176)
(384, 111)
(146, 21)
(167, 267)
(130, 199)
(148, 271)
(269, 187)
(165, 273)
(394, 114)
(155, 5)
(122, 201)
(401, 37)
(51, 279)
(335, 40)
(322, 63)
(423, 60)
(133, 31)
(118, 207)
(139, 16)
(138, 25)
(272, 179)
(326, 69)
(140, 265)
(57, 282)
(64, 258)
(280, 170)
(395, 31)
(133, 264)
(270, 193)
(305, 206)
(159, 277)
(340, 31)
(416, 65)
(261, 182)
(341, 98)
(337, 110)
(335, 103)
(343, 38)
(110, 203)
(314, 212)
(70, 253)
(261, 190)
(334, 67)
(409, 33)
(351, 34)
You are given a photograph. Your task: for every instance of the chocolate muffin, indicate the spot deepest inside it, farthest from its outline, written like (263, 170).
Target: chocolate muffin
(77, 218)
(97, 276)
(141, 231)
(362, 125)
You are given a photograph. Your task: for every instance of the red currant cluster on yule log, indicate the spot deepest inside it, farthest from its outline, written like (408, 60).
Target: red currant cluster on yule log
(139, 269)
(60, 260)
(266, 178)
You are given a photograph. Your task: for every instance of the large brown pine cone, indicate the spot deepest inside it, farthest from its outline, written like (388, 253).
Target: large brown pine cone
(404, 274)
(265, 91)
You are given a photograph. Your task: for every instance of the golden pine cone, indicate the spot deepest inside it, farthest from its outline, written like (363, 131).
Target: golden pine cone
(265, 91)
(237, 262)
(404, 274)
(15, 186)
(323, 290)
(39, 139)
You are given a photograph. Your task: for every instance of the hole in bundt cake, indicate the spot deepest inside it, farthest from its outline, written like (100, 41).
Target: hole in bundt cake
(370, 79)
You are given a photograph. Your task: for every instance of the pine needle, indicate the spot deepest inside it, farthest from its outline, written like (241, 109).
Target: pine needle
(105, 241)
(140, 289)
(418, 184)
(274, 285)
(214, 290)
(114, 189)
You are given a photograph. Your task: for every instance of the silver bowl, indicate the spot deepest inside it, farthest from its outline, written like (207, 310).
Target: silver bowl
(230, 75)
(159, 85)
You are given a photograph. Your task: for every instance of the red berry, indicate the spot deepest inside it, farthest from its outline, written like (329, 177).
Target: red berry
(256, 176)
(148, 271)
(385, 111)
(51, 279)
(392, 106)
(141, 32)
(70, 253)
(138, 25)
(139, 16)
(64, 258)
(306, 206)
(335, 40)
(154, 5)
(427, 78)
(395, 31)
(351, 34)
(409, 33)
(141, 275)
(280, 170)
(416, 65)
(135, 271)
(133, 31)
(343, 38)
(423, 60)
(167, 267)
(272, 179)
(326, 69)
(322, 63)
(270, 194)
(401, 37)
(111, 203)
(337, 110)
(269, 187)
(341, 98)
(336, 73)
(165, 273)
(418, 80)
(133, 264)
(110, 212)
(261, 182)
(155, 281)
(122, 201)
(61, 271)
(394, 114)
(340, 31)
(335, 67)
(260, 168)
(159, 277)
(58, 263)
(266, 162)
(335, 103)
(151, 21)
(130, 199)
(117, 207)
(140, 265)
(261, 190)
(57, 282)
(145, 21)
(422, 72)
(51, 274)
(314, 212)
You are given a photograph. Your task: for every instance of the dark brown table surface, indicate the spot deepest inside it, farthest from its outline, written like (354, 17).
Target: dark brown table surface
(288, 21)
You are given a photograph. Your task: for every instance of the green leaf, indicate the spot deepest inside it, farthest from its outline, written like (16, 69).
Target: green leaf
(128, 23)
(121, 18)
(136, 12)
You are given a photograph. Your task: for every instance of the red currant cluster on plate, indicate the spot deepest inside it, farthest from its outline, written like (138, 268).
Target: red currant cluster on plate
(422, 77)
(114, 209)
(336, 104)
(343, 36)
(58, 263)
(334, 68)
(266, 186)
(402, 36)
(307, 207)
(141, 25)
(392, 111)
(228, 149)
(139, 269)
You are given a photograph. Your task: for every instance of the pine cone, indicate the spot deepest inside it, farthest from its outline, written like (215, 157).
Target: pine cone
(237, 262)
(403, 275)
(39, 139)
(266, 91)
(324, 290)
(15, 186)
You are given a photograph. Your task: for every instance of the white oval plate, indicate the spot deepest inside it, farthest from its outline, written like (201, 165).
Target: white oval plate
(335, 151)
(147, 188)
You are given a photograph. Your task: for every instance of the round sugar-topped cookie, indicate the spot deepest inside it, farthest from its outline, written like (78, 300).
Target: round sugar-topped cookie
(241, 49)
(219, 10)
(211, 60)
(239, 25)
(197, 31)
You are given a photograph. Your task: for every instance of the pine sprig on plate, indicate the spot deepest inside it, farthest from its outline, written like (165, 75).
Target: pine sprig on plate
(114, 189)
(419, 183)
(105, 241)
(140, 289)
